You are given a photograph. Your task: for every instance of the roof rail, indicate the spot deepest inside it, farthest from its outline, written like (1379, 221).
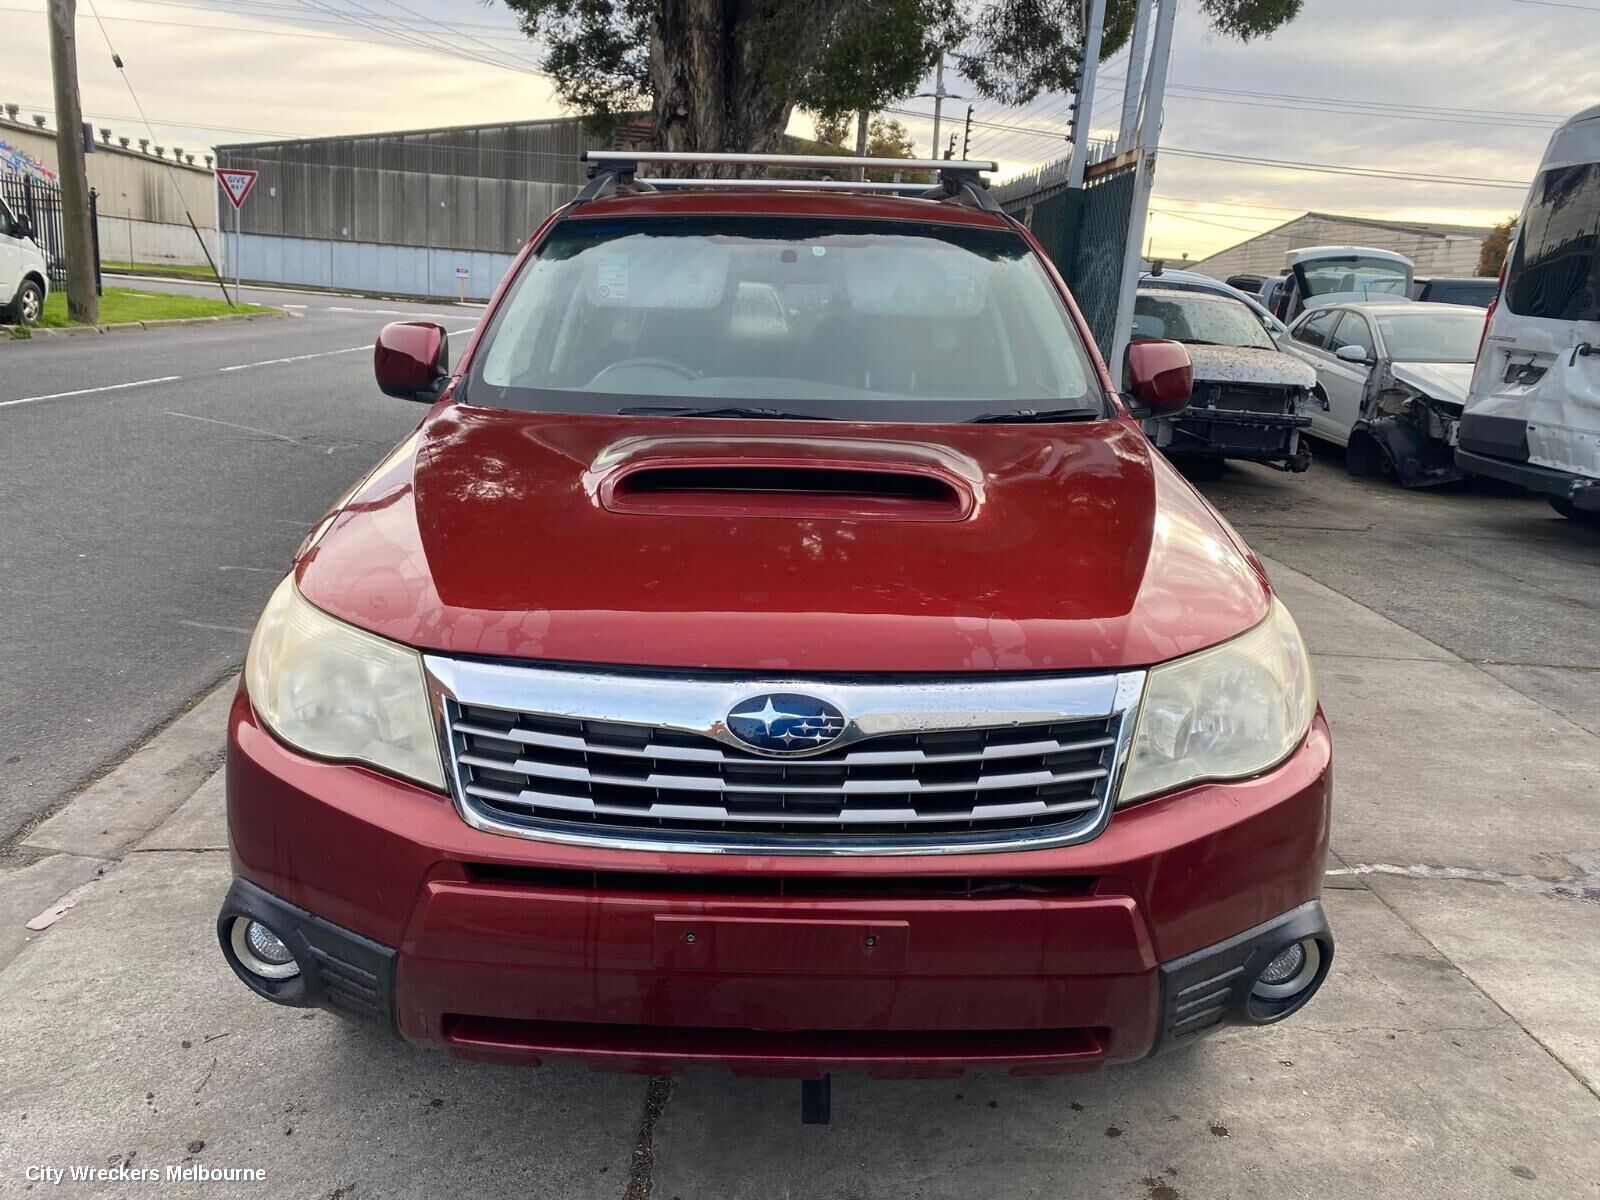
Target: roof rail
(960, 180)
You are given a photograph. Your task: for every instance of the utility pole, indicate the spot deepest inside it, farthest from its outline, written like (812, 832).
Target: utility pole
(938, 101)
(1135, 78)
(966, 138)
(82, 302)
(1083, 102)
(950, 150)
(863, 129)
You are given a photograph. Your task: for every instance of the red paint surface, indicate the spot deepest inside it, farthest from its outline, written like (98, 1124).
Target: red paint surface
(391, 861)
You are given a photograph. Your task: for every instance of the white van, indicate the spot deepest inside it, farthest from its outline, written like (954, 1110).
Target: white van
(1533, 415)
(24, 279)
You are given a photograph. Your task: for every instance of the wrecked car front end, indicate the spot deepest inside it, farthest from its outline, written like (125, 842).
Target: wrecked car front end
(1410, 417)
(1248, 403)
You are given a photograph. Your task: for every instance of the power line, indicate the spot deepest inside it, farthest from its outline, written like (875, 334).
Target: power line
(1362, 172)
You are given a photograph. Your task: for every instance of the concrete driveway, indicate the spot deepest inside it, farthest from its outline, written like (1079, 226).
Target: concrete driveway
(1454, 1053)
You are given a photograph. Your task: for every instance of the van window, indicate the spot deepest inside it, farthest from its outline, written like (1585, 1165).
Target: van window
(1555, 273)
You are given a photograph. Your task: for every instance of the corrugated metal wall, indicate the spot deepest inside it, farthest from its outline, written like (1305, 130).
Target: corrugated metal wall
(480, 188)
(1446, 252)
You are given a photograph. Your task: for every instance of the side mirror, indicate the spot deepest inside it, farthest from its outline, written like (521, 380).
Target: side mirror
(412, 360)
(1160, 376)
(24, 227)
(1353, 354)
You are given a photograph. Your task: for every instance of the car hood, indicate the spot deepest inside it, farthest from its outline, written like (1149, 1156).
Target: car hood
(1249, 364)
(588, 539)
(1443, 381)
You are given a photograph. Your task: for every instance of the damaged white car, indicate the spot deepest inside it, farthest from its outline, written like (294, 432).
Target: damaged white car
(1394, 378)
(1250, 398)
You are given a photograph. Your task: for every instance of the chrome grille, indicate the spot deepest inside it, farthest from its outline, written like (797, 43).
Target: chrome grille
(545, 753)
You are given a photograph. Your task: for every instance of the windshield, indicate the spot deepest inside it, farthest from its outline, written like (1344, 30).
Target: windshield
(1354, 273)
(1432, 337)
(859, 320)
(1198, 318)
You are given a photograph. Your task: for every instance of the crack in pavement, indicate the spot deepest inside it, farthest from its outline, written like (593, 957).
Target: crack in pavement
(1584, 887)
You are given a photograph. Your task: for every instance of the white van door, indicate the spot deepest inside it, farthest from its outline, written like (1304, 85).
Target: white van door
(10, 255)
(1541, 359)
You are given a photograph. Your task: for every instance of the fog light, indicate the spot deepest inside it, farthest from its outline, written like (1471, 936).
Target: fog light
(262, 952)
(1291, 970)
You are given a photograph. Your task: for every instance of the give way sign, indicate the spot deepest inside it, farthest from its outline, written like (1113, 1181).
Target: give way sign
(236, 183)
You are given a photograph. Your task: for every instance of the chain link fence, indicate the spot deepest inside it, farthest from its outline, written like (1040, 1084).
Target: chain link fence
(1085, 232)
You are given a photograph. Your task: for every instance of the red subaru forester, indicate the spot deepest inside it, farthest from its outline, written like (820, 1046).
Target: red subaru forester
(778, 647)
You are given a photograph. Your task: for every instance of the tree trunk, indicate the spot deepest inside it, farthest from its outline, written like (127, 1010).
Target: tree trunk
(723, 71)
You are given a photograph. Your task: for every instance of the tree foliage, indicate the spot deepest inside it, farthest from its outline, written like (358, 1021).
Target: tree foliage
(1492, 255)
(727, 74)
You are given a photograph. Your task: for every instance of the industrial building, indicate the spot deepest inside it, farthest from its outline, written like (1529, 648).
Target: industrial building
(142, 189)
(427, 212)
(1436, 249)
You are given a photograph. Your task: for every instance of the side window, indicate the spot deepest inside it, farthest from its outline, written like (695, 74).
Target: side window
(1314, 330)
(1555, 273)
(8, 224)
(1353, 330)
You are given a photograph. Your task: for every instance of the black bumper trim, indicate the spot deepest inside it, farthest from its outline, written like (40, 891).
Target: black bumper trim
(1581, 491)
(339, 970)
(1210, 989)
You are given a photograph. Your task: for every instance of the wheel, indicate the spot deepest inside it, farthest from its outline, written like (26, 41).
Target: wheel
(1582, 516)
(1362, 457)
(29, 304)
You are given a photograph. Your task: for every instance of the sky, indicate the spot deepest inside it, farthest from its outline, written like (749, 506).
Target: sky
(1465, 89)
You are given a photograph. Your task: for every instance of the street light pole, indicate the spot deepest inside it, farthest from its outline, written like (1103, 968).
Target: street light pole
(82, 302)
(938, 101)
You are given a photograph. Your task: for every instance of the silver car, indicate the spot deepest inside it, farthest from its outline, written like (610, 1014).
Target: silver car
(1393, 378)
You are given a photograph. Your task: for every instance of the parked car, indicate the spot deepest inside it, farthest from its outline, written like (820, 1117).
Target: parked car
(1320, 275)
(24, 279)
(1395, 377)
(1193, 281)
(856, 689)
(1533, 416)
(1248, 394)
(1249, 284)
(1472, 291)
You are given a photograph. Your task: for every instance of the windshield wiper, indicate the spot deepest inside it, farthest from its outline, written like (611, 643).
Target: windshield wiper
(732, 410)
(1029, 416)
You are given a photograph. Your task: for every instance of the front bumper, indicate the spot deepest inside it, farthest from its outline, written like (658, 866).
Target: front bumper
(516, 951)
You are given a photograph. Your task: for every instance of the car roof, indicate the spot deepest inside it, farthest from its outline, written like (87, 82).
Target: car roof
(688, 201)
(1392, 309)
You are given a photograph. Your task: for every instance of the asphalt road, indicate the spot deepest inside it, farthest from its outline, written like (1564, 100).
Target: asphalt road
(154, 486)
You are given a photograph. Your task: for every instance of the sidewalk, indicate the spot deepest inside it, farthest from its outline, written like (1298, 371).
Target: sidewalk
(1453, 1053)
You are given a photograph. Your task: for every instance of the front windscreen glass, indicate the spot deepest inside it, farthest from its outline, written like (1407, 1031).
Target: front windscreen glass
(1432, 337)
(1374, 277)
(855, 320)
(1198, 319)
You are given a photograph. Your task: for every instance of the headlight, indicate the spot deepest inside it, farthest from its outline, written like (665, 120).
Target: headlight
(336, 691)
(1225, 713)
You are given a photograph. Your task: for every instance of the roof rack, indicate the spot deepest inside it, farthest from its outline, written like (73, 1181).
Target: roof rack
(959, 181)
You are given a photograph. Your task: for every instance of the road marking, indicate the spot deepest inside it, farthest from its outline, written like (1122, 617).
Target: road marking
(110, 387)
(262, 570)
(245, 428)
(218, 628)
(268, 362)
(272, 362)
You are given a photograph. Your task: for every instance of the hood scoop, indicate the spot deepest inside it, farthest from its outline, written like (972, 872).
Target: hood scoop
(795, 489)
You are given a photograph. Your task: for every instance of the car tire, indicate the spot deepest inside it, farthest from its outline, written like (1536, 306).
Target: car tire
(28, 306)
(1362, 457)
(1582, 516)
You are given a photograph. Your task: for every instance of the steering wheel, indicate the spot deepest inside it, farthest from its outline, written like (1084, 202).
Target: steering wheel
(660, 364)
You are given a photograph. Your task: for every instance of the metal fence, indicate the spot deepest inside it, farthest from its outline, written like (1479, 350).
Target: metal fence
(1085, 232)
(40, 201)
